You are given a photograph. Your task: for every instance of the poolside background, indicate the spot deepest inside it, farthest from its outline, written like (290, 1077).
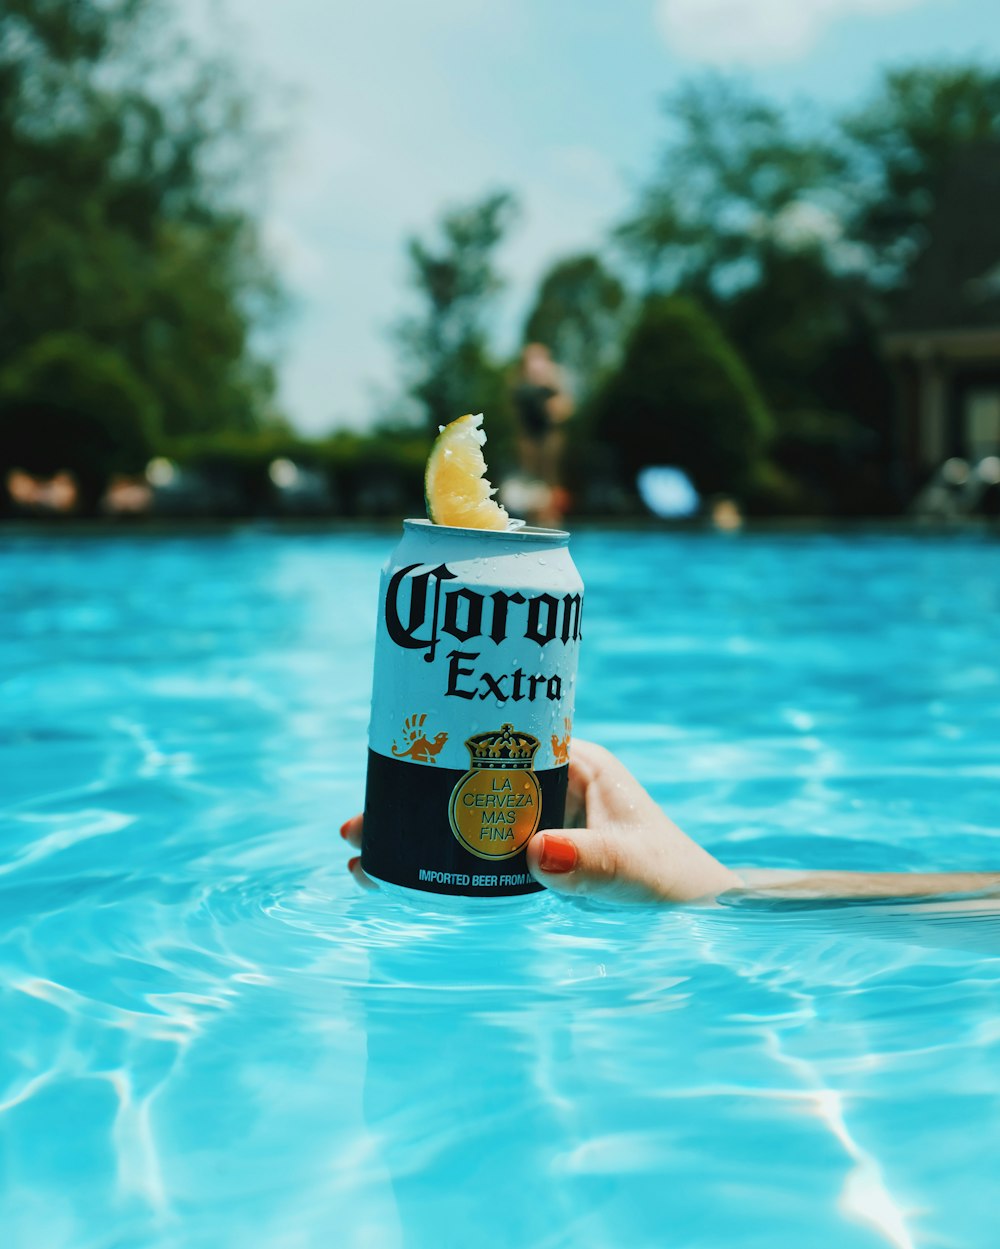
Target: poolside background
(766, 258)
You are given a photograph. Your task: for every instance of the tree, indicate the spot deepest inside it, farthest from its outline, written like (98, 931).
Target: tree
(745, 214)
(445, 343)
(754, 215)
(683, 397)
(900, 145)
(735, 184)
(578, 314)
(121, 217)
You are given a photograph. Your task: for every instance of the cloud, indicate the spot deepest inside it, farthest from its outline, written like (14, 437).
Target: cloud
(757, 32)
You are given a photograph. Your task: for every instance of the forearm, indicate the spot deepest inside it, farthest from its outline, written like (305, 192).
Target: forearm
(802, 884)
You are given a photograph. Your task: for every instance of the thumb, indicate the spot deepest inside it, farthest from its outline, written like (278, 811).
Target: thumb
(575, 860)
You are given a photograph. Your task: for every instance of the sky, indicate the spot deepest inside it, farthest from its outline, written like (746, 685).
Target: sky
(392, 110)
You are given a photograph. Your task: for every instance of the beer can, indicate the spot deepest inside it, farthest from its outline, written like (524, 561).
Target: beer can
(472, 707)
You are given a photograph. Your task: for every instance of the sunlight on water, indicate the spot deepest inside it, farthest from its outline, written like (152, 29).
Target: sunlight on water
(211, 1039)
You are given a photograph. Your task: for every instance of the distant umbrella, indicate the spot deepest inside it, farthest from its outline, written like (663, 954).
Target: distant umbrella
(668, 492)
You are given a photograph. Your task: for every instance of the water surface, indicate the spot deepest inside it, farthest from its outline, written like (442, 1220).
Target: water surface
(210, 1038)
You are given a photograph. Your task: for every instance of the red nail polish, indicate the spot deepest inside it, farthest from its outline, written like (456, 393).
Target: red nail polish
(343, 829)
(558, 854)
(354, 863)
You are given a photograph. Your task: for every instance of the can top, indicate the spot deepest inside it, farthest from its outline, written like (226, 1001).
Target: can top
(518, 532)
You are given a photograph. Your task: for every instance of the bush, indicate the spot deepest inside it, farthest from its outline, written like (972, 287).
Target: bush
(683, 397)
(69, 403)
(839, 461)
(380, 474)
(770, 491)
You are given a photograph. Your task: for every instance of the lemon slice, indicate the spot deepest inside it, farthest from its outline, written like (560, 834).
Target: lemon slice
(455, 484)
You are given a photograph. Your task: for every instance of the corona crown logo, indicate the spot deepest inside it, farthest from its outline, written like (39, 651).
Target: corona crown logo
(496, 806)
(506, 749)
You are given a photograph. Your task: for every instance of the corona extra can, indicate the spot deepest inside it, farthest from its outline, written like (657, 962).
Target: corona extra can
(472, 708)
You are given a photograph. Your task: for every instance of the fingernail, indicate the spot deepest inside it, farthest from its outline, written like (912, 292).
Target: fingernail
(353, 863)
(558, 854)
(343, 829)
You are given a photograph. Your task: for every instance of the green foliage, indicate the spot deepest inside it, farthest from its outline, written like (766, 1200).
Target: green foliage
(68, 403)
(378, 474)
(742, 184)
(901, 144)
(794, 234)
(578, 314)
(809, 334)
(120, 216)
(445, 343)
(684, 397)
(736, 181)
(772, 491)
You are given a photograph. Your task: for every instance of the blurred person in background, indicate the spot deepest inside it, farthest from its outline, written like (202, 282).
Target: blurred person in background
(42, 495)
(543, 406)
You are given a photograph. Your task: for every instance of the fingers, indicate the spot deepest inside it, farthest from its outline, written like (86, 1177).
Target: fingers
(584, 861)
(350, 830)
(609, 792)
(354, 867)
(584, 764)
(618, 844)
(627, 863)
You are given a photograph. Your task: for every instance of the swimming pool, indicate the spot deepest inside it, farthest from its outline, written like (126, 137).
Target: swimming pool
(210, 1038)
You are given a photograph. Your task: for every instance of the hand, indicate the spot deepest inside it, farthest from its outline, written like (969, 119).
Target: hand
(618, 844)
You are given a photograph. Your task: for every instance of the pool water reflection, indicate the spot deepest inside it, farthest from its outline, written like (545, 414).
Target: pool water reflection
(210, 1038)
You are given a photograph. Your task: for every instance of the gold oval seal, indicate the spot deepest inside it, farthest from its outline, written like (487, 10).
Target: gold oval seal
(496, 806)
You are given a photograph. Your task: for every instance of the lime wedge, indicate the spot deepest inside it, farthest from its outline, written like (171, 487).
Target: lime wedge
(455, 484)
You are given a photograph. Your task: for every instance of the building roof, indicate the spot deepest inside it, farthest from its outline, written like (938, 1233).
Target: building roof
(956, 282)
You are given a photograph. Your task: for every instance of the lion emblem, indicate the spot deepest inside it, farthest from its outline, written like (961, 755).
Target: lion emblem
(560, 745)
(419, 749)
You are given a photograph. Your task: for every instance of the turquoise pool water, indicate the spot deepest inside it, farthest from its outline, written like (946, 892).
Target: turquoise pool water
(210, 1038)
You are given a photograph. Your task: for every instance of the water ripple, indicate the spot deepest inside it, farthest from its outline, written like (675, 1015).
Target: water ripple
(210, 1038)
